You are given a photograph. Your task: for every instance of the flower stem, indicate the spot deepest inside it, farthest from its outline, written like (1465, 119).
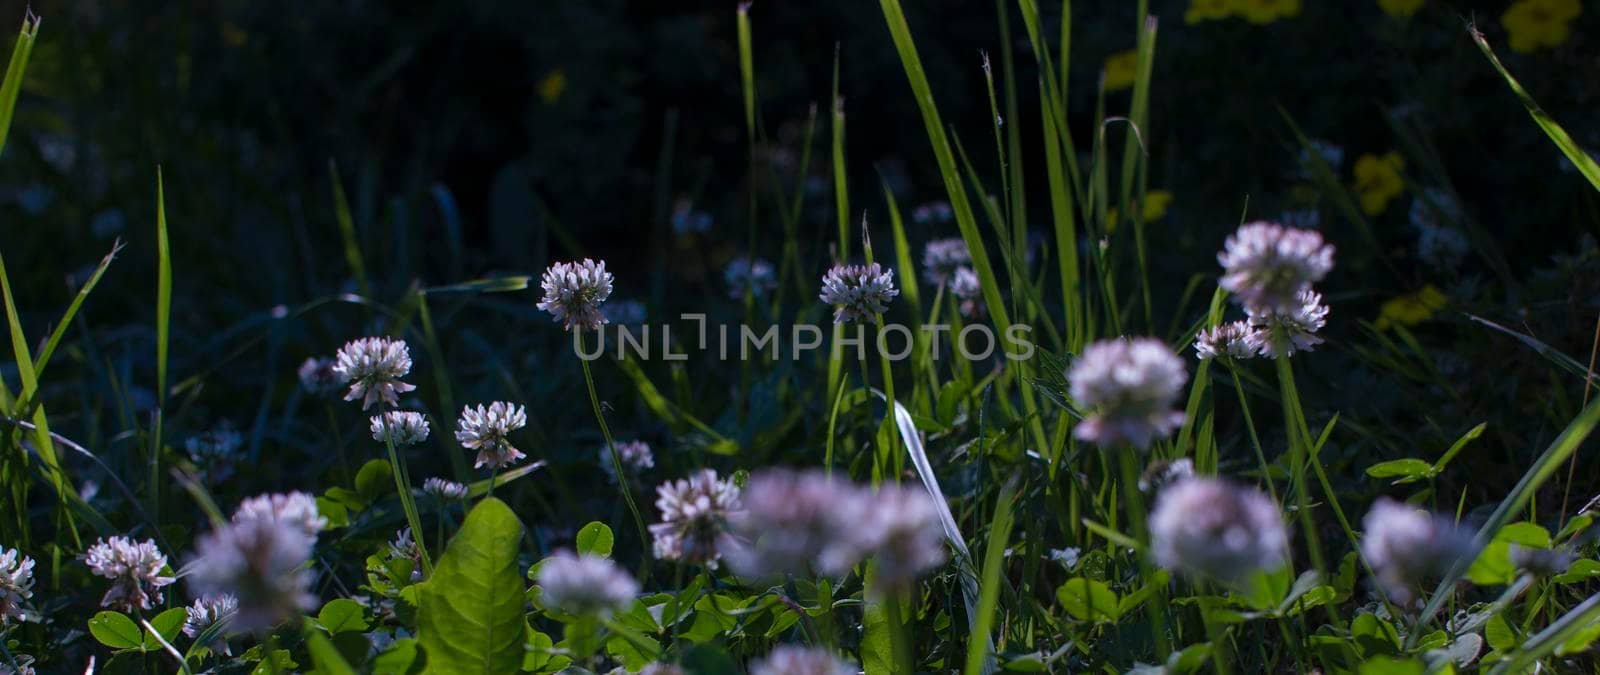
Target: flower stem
(1157, 606)
(616, 458)
(402, 484)
(1255, 441)
(899, 637)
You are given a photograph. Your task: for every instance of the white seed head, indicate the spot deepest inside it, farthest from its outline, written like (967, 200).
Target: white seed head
(858, 291)
(373, 367)
(1235, 340)
(16, 585)
(1128, 388)
(1405, 546)
(1214, 529)
(260, 560)
(574, 291)
(295, 509)
(753, 274)
(402, 427)
(135, 570)
(797, 660)
(635, 455)
(585, 584)
(1281, 334)
(486, 429)
(1267, 266)
(942, 258)
(444, 489)
(694, 517)
(785, 525)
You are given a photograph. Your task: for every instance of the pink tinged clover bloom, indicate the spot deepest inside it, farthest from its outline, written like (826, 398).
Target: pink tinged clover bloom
(1267, 266)
(858, 292)
(898, 526)
(585, 584)
(1128, 388)
(373, 367)
(401, 428)
(134, 567)
(1405, 546)
(941, 258)
(16, 585)
(1280, 334)
(694, 517)
(1214, 529)
(486, 429)
(1234, 340)
(797, 660)
(574, 291)
(786, 526)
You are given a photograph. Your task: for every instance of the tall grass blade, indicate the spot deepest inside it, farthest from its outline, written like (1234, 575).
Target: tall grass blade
(1580, 159)
(980, 660)
(72, 310)
(12, 87)
(163, 339)
(347, 231)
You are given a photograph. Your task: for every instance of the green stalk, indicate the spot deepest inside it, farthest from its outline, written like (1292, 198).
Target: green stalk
(402, 484)
(1255, 441)
(1157, 606)
(616, 458)
(899, 636)
(1295, 426)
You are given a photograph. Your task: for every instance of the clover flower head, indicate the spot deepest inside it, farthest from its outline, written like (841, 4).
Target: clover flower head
(209, 611)
(585, 584)
(933, 213)
(400, 427)
(295, 509)
(317, 376)
(941, 258)
(1161, 473)
(574, 291)
(1281, 334)
(486, 429)
(260, 559)
(797, 660)
(1234, 339)
(662, 668)
(753, 274)
(964, 285)
(1129, 388)
(785, 525)
(635, 456)
(858, 291)
(16, 585)
(694, 516)
(373, 367)
(1405, 546)
(1215, 529)
(1541, 562)
(898, 526)
(444, 489)
(135, 569)
(1267, 266)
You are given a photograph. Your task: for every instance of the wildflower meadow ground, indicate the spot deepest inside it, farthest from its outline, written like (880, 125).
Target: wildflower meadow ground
(1007, 404)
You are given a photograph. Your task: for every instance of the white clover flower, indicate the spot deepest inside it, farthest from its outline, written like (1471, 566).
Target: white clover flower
(573, 292)
(1267, 266)
(753, 274)
(1405, 546)
(858, 291)
(317, 376)
(662, 668)
(444, 489)
(404, 547)
(485, 429)
(942, 258)
(585, 584)
(964, 285)
(1281, 334)
(261, 561)
(785, 525)
(135, 570)
(796, 660)
(295, 509)
(898, 526)
(1127, 388)
(207, 611)
(373, 367)
(1162, 473)
(1235, 340)
(933, 213)
(403, 428)
(1214, 529)
(635, 456)
(16, 585)
(694, 516)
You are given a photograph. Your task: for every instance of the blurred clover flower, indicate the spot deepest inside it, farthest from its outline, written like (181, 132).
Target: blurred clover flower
(966, 288)
(1541, 562)
(1215, 529)
(296, 509)
(933, 213)
(797, 660)
(1162, 473)
(373, 367)
(259, 558)
(1412, 308)
(749, 274)
(1121, 69)
(209, 611)
(785, 527)
(213, 451)
(574, 291)
(317, 376)
(859, 292)
(943, 258)
(135, 569)
(694, 517)
(636, 457)
(16, 585)
(444, 489)
(1378, 181)
(898, 526)
(1234, 339)
(1540, 24)
(486, 430)
(1401, 9)
(1267, 266)
(1281, 333)
(1404, 546)
(1127, 388)
(403, 428)
(585, 584)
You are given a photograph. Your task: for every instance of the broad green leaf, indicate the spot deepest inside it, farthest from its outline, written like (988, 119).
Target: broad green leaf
(325, 656)
(116, 630)
(1500, 634)
(1088, 600)
(596, 539)
(1374, 635)
(1407, 470)
(342, 616)
(167, 624)
(1493, 566)
(708, 660)
(1387, 665)
(403, 657)
(470, 619)
(373, 480)
(1582, 569)
(631, 655)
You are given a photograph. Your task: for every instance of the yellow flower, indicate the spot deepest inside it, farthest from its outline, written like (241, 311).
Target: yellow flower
(1266, 11)
(1121, 68)
(1411, 309)
(1536, 24)
(1155, 208)
(1401, 9)
(1378, 181)
(1207, 10)
(551, 87)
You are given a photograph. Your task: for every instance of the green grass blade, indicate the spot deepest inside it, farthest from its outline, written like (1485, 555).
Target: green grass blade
(1586, 164)
(72, 311)
(347, 231)
(163, 340)
(30, 385)
(979, 643)
(15, 70)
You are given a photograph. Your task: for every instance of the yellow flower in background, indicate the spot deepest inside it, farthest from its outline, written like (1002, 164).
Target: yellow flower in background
(1121, 69)
(1207, 10)
(1538, 24)
(1411, 309)
(1155, 208)
(1378, 181)
(1401, 9)
(233, 35)
(1266, 11)
(552, 86)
